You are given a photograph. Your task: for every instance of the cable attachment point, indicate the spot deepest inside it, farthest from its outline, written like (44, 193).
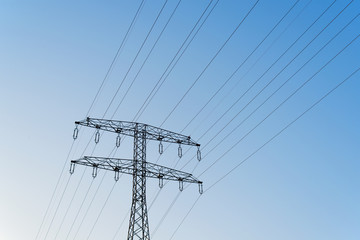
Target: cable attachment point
(76, 132)
(95, 170)
(117, 174)
(181, 184)
(161, 181)
(201, 189)
(118, 140)
(180, 151)
(97, 136)
(161, 147)
(198, 154)
(72, 167)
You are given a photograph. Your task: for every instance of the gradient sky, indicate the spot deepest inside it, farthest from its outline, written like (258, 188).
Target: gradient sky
(304, 184)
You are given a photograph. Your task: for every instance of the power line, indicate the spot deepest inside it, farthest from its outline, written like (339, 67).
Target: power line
(89, 206)
(162, 79)
(61, 199)
(213, 58)
(137, 54)
(252, 66)
(282, 85)
(57, 184)
(267, 70)
(78, 212)
(282, 130)
(286, 28)
(77, 188)
(69, 205)
(233, 130)
(102, 208)
(57, 208)
(102, 84)
(291, 61)
(187, 214)
(116, 56)
(262, 146)
(166, 213)
(121, 224)
(155, 89)
(94, 149)
(173, 66)
(301, 68)
(147, 57)
(282, 103)
(240, 65)
(93, 198)
(241, 96)
(53, 194)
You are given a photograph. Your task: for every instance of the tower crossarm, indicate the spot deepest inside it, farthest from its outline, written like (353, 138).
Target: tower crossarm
(138, 167)
(130, 129)
(127, 166)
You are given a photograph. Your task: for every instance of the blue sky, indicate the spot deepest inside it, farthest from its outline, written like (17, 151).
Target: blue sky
(302, 185)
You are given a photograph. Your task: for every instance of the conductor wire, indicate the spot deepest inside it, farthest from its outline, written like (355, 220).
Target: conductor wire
(262, 146)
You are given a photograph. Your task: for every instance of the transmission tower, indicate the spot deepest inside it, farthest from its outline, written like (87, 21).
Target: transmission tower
(138, 167)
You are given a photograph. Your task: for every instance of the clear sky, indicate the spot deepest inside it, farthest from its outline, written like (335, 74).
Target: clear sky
(303, 184)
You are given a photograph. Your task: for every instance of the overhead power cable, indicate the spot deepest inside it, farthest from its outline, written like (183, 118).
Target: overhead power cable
(282, 130)
(187, 214)
(156, 196)
(213, 58)
(106, 77)
(78, 212)
(136, 56)
(292, 76)
(166, 213)
(69, 205)
(162, 79)
(147, 57)
(263, 74)
(282, 103)
(291, 61)
(93, 198)
(116, 56)
(55, 189)
(57, 186)
(277, 60)
(262, 146)
(233, 130)
(241, 64)
(282, 18)
(74, 194)
(88, 208)
(102, 209)
(280, 87)
(250, 68)
(121, 224)
(232, 89)
(57, 208)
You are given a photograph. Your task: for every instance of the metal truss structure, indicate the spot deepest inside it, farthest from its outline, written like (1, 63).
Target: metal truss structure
(138, 167)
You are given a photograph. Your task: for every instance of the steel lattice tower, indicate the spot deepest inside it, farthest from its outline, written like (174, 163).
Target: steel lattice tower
(138, 167)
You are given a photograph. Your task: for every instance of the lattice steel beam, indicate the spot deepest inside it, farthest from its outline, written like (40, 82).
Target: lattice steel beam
(128, 129)
(119, 165)
(138, 167)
